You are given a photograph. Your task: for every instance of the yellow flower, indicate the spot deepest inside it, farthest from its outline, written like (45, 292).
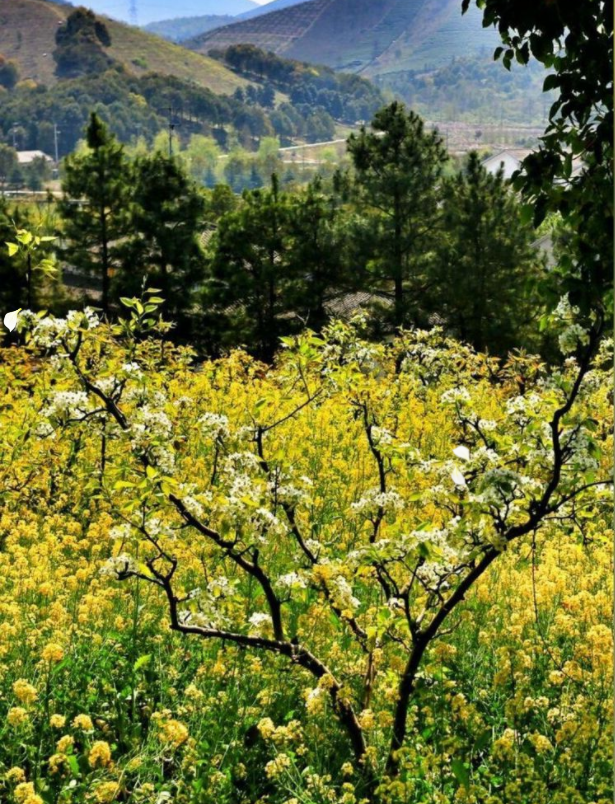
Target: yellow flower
(57, 721)
(173, 732)
(106, 792)
(15, 775)
(64, 743)
(541, 743)
(52, 653)
(366, 719)
(277, 766)
(57, 763)
(17, 716)
(24, 691)
(24, 794)
(266, 727)
(83, 722)
(100, 754)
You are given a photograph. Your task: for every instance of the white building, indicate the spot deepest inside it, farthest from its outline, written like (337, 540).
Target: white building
(27, 157)
(509, 159)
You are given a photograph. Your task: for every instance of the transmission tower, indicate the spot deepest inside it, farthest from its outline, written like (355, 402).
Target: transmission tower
(132, 13)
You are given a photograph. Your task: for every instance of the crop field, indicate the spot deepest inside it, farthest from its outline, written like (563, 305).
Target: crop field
(212, 575)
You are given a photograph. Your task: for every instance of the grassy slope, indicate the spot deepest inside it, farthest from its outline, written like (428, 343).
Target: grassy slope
(27, 35)
(372, 36)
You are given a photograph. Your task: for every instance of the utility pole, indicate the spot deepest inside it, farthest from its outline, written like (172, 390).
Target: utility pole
(55, 141)
(132, 13)
(55, 145)
(173, 124)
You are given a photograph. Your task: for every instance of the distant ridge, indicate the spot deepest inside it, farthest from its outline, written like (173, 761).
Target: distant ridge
(365, 36)
(268, 8)
(178, 29)
(158, 10)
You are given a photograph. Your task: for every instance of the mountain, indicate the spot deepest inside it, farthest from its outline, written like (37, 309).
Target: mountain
(365, 36)
(275, 5)
(156, 10)
(178, 29)
(27, 36)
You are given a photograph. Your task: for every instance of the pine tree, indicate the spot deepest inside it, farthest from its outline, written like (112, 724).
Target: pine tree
(163, 249)
(398, 166)
(249, 292)
(316, 252)
(96, 188)
(485, 262)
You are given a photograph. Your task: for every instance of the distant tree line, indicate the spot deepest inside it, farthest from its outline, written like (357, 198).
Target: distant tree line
(473, 89)
(343, 96)
(396, 234)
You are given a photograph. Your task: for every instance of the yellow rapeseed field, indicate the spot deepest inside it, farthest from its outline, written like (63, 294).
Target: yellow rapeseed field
(356, 526)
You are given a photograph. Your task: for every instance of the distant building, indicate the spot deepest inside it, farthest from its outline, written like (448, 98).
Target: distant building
(27, 157)
(509, 159)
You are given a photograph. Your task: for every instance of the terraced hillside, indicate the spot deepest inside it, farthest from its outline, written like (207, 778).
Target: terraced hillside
(27, 35)
(367, 36)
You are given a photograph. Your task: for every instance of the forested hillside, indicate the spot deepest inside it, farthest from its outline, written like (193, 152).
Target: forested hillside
(84, 70)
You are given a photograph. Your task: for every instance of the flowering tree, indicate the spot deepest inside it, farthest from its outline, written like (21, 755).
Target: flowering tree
(347, 549)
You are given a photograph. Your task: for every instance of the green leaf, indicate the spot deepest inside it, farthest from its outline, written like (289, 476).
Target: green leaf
(123, 484)
(74, 764)
(461, 771)
(142, 661)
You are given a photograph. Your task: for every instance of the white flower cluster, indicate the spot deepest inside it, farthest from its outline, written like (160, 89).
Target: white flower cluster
(426, 355)
(341, 594)
(63, 406)
(374, 499)
(292, 580)
(579, 445)
(286, 491)
(573, 333)
(119, 566)
(259, 622)
(523, 409)
(500, 486)
(451, 548)
(214, 426)
(381, 436)
(48, 332)
(121, 533)
(456, 396)
(150, 433)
